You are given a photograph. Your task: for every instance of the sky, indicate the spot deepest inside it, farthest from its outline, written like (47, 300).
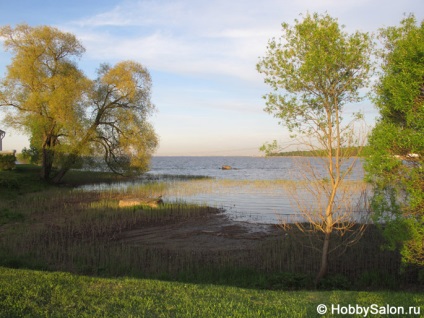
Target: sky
(202, 57)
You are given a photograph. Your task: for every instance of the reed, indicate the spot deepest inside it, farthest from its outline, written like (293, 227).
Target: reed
(96, 250)
(193, 187)
(80, 231)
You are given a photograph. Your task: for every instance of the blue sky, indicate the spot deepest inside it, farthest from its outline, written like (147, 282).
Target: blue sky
(201, 55)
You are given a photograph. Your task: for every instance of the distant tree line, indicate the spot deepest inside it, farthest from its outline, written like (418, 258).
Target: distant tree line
(348, 152)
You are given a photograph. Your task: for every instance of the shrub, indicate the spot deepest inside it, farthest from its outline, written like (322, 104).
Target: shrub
(290, 281)
(7, 161)
(376, 279)
(336, 281)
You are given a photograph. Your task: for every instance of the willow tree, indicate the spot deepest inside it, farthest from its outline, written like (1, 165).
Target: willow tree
(68, 115)
(315, 69)
(43, 87)
(116, 121)
(395, 164)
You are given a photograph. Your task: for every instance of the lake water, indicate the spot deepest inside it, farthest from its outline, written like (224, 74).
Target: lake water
(244, 168)
(256, 189)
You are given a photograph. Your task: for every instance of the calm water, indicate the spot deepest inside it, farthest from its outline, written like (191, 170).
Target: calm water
(244, 168)
(252, 191)
(255, 190)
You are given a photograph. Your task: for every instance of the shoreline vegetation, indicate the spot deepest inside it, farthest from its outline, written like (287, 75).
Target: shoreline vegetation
(345, 152)
(62, 251)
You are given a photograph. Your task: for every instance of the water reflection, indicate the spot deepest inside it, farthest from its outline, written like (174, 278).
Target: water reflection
(255, 190)
(259, 201)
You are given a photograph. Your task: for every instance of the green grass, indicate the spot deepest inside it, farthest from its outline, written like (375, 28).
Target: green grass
(25, 293)
(23, 179)
(80, 177)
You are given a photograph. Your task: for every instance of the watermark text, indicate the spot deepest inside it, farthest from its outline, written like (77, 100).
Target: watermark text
(367, 311)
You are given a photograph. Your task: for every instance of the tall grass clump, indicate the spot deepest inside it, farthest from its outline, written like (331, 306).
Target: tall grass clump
(79, 231)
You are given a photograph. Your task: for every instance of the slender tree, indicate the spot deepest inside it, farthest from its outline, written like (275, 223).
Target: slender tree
(397, 142)
(315, 69)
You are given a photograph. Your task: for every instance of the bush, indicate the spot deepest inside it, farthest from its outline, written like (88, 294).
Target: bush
(290, 281)
(7, 161)
(336, 281)
(376, 279)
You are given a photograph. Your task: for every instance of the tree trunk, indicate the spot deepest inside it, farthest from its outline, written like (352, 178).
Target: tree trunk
(75, 153)
(324, 258)
(48, 153)
(59, 175)
(69, 162)
(47, 164)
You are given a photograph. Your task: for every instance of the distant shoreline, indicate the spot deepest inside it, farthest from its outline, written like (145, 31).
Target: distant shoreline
(345, 152)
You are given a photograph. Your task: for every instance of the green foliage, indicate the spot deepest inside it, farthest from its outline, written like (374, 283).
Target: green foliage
(27, 293)
(347, 152)
(314, 69)
(30, 155)
(376, 279)
(270, 149)
(7, 161)
(121, 131)
(43, 89)
(68, 115)
(394, 165)
(336, 281)
(248, 278)
(290, 281)
(23, 179)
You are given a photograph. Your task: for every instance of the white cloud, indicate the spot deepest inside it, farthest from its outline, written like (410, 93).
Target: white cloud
(207, 37)
(178, 54)
(184, 37)
(203, 54)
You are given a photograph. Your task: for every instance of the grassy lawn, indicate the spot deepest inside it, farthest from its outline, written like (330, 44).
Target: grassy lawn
(25, 293)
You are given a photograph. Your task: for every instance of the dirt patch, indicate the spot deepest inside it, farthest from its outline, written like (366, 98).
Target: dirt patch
(210, 232)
